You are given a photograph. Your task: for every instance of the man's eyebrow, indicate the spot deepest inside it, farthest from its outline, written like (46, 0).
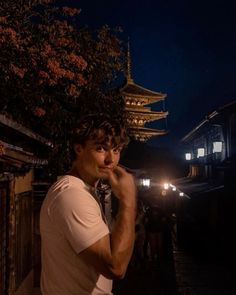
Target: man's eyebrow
(107, 144)
(101, 142)
(118, 145)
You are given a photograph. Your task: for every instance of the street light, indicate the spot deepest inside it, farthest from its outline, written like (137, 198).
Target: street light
(166, 185)
(145, 182)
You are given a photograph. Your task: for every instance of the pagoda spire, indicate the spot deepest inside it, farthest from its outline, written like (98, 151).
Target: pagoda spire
(128, 74)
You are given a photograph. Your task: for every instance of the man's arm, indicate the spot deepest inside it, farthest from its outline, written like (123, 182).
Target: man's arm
(111, 254)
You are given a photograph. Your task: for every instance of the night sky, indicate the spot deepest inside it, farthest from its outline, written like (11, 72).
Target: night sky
(184, 48)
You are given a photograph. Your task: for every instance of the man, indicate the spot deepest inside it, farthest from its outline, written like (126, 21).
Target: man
(79, 254)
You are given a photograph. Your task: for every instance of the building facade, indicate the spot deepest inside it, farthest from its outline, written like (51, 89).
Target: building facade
(21, 152)
(207, 217)
(210, 147)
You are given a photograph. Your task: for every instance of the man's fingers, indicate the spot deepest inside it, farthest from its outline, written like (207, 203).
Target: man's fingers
(116, 174)
(112, 177)
(119, 171)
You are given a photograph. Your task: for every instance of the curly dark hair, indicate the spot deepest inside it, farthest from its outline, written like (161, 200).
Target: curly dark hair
(99, 127)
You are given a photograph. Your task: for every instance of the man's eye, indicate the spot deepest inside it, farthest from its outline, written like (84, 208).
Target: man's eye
(100, 148)
(117, 150)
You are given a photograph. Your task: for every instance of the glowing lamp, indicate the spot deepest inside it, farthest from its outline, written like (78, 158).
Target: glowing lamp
(166, 185)
(145, 182)
(217, 146)
(200, 152)
(188, 156)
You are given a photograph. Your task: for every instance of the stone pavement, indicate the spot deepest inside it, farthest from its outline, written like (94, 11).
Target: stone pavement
(192, 269)
(202, 276)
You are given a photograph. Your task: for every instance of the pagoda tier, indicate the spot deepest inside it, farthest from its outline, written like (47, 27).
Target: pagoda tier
(139, 118)
(135, 94)
(143, 134)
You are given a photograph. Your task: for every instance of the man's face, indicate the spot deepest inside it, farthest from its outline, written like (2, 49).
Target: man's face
(95, 159)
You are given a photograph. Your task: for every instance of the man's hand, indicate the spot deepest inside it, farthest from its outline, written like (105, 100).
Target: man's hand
(123, 186)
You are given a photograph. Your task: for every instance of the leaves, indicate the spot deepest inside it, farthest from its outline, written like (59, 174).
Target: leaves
(52, 71)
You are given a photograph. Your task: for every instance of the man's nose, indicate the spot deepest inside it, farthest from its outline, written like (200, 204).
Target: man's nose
(109, 157)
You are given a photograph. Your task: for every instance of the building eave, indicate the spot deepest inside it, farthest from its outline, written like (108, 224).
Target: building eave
(212, 117)
(148, 113)
(7, 121)
(143, 134)
(152, 96)
(16, 156)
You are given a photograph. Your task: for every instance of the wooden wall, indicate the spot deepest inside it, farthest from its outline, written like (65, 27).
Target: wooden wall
(16, 232)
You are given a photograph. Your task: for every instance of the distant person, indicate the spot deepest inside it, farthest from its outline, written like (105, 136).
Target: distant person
(80, 256)
(138, 254)
(155, 223)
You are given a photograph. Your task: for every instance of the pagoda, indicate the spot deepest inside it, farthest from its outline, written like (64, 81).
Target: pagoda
(136, 100)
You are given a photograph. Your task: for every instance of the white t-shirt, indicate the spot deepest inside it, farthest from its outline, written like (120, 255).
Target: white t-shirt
(70, 221)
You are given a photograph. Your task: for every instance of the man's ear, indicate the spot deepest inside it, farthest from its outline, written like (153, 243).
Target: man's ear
(78, 148)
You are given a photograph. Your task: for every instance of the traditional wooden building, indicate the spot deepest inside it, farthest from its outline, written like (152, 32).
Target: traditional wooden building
(21, 152)
(211, 155)
(211, 146)
(137, 100)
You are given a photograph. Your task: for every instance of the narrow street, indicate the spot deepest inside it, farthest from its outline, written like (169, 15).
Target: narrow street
(186, 271)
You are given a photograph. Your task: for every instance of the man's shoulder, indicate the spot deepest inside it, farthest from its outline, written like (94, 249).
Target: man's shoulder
(66, 183)
(67, 192)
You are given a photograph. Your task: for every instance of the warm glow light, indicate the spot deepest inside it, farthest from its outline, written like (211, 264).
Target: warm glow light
(200, 152)
(181, 194)
(145, 182)
(166, 185)
(217, 146)
(188, 156)
(173, 188)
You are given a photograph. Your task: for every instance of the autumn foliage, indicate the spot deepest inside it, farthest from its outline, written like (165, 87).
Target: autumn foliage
(53, 70)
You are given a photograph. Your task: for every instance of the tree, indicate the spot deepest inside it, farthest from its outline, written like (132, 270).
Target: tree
(53, 70)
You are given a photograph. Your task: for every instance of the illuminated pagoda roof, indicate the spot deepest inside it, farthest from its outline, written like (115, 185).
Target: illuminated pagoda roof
(136, 98)
(147, 116)
(143, 134)
(133, 90)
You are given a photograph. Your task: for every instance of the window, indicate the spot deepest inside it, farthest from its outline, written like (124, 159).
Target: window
(200, 152)
(188, 156)
(217, 146)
